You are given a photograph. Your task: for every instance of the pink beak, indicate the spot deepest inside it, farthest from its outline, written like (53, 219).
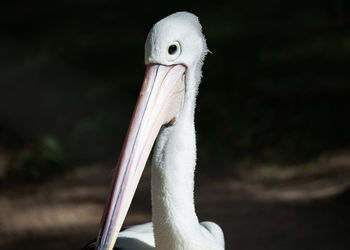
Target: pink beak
(160, 100)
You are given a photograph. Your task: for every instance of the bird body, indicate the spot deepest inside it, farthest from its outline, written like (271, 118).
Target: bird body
(174, 52)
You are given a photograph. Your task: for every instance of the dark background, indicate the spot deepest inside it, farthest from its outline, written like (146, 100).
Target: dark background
(276, 89)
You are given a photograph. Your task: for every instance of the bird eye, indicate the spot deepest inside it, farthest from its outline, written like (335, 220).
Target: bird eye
(174, 51)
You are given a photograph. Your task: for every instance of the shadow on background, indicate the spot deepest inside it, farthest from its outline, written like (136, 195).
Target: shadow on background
(65, 214)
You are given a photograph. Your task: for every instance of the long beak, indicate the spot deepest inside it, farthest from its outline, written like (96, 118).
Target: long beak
(160, 100)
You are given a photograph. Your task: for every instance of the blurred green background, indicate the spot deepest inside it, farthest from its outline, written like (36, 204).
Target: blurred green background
(276, 88)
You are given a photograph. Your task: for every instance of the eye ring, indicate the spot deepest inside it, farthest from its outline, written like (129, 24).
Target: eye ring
(173, 51)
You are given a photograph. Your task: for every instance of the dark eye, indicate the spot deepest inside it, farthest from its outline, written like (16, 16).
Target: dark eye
(172, 49)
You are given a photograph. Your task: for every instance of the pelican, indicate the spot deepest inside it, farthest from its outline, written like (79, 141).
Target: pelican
(164, 114)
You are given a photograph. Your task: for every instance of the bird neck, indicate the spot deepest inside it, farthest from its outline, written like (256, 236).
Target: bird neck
(174, 159)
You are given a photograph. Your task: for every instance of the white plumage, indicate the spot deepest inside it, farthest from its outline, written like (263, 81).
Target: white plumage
(175, 223)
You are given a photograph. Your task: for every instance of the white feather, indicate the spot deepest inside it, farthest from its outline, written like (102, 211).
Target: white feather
(175, 223)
